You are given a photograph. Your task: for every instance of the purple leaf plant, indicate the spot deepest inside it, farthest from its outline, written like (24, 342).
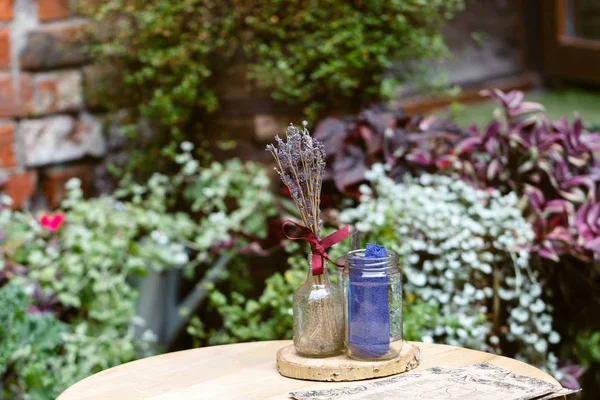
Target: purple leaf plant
(551, 163)
(377, 135)
(569, 376)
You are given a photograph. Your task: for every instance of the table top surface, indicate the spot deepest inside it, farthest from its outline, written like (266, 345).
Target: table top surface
(245, 369)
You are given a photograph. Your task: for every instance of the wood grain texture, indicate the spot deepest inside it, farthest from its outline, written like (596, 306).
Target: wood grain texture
(342, 368)
(243, 371)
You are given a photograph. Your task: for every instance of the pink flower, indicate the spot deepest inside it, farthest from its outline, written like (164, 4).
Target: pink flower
(52, 222)
(443, 163)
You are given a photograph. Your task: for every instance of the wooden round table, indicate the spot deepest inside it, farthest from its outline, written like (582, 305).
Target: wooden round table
(245, 370)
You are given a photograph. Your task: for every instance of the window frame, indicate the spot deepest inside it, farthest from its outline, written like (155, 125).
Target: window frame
(567, 57)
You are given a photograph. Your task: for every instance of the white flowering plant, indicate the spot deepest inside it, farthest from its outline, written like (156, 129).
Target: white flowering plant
(466, 253)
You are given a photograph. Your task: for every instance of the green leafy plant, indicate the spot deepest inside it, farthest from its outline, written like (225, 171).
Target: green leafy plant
(28, 341)
(269, 317)
(587, 355)
(40, 355)
(81, 266)
(588, 347)
(81, 272)
(321, 54)
(168, 57)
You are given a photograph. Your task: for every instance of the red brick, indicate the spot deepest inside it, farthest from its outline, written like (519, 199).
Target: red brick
(52, 47)
(50, 10)
(7, 143)
(58, 91)
(15, 97)
(60, 138)
(46, 89)
(6, 13)
(20, 187)
(55, 179)
(4, 48)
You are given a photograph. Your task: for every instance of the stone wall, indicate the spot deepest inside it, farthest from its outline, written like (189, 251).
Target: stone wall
(47, 134)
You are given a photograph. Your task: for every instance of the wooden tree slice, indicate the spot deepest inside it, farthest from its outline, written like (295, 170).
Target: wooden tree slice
(342, 368)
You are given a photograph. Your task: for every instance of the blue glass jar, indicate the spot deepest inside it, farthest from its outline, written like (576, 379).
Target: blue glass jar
(373, 306)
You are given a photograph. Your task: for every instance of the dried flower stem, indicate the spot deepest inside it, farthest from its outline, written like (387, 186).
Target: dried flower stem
(300, 165)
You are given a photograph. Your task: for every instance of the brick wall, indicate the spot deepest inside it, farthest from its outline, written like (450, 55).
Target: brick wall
(47, 134)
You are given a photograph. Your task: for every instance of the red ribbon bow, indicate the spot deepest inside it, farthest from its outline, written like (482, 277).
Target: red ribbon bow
(318, 247)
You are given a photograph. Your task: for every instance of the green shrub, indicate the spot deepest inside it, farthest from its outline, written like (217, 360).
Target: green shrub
(41, 356)
(245, 319)
(28, 342)
(323, 53)
(87, 263)
(82, 273)
(167, 58)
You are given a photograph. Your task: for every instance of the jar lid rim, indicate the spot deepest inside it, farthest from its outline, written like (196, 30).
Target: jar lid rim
(391, 256)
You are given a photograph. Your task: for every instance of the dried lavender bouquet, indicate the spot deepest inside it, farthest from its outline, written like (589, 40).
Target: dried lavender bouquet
(318, 305)
(300, 165)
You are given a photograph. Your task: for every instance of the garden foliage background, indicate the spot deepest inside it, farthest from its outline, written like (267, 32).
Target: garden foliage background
(496, 226)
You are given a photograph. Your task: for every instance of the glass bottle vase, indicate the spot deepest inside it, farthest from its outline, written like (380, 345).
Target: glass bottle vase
(318, 317)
